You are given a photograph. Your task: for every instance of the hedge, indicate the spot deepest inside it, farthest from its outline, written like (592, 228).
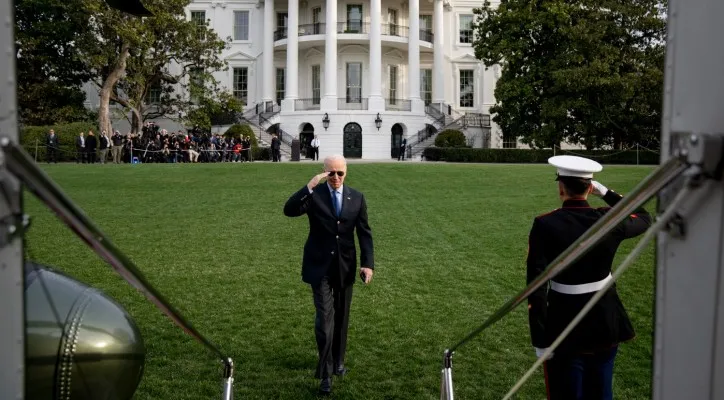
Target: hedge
(536, 156)
(261, 153)
(66, 138)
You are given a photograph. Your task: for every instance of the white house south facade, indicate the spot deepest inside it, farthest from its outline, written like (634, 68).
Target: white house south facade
(360, 74)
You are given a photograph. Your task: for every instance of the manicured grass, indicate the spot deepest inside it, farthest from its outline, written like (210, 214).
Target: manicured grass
(450, 247)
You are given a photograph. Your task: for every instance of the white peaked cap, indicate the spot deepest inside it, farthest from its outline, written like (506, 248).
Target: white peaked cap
(574, 166)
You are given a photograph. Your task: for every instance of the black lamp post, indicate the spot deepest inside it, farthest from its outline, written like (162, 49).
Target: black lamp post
(378, 121)
(325, 121)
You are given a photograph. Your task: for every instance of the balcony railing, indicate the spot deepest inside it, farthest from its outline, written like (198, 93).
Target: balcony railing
(352, 104)
(353, 27)
(398, 105)
(280, 33)
(312, 29)
(306, 104)
(395, 30)
(476, 120)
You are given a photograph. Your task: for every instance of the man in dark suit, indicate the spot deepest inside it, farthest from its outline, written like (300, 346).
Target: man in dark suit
(276, 146)
(582, 366)
(329, 262)
(52, 147)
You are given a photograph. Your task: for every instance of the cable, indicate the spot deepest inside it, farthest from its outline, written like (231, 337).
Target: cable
(648, 236)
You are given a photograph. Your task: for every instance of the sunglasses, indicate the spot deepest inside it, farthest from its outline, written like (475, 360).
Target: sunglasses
(339, 173)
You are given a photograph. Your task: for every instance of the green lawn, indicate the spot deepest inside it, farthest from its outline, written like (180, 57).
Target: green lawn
(450, 247)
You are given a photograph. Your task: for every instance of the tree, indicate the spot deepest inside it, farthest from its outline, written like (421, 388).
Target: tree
(212, 108)
(50, 69)
(140, 61)
(588, 72)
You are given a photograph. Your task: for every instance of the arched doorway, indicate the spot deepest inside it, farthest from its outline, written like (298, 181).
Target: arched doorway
(396, 140)
(273, 129)
(305, 139)
(352, 140)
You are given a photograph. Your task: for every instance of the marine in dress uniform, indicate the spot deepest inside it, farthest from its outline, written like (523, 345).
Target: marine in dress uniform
(582, 366)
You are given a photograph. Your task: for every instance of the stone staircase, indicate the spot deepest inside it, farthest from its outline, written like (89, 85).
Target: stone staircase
(259, 123)
(440, 116)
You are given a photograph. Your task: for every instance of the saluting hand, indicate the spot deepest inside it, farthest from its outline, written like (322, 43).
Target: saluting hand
(315, 180)
(599, 189)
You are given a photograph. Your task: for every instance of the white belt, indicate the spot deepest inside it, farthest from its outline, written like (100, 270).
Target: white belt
(580, 289)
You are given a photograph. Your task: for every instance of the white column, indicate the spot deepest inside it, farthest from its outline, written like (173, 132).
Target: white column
(376, 101)
(292, 73)
(413, 62)
(438, 83)
(268, 53)
(329, 100)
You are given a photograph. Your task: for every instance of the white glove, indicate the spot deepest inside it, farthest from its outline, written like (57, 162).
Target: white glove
(598, 189)
(539, 353)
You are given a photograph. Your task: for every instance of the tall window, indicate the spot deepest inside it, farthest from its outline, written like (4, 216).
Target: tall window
(466, 29)
(354, 82)
(426, 28)
(154, 93)
(467, 88)
(392, 21)
(426, 85)
(241, 83)
(280, 85)
(316, 87)
(510, 142)
(241, 25)
(196, 80)
(354, 18)
(199, 18)
(282, 20)
(393, 84)
(316, 20)
(426, 22)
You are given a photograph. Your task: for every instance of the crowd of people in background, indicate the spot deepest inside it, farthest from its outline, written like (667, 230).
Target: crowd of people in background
(153, 145)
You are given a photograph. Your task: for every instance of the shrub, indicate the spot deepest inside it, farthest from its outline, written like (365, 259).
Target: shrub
(66, 138)
(450, 138)
(261, 153)
(238, 130)
(536, 156)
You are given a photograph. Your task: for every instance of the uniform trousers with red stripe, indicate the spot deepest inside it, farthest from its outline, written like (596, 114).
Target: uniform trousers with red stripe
(580, 377)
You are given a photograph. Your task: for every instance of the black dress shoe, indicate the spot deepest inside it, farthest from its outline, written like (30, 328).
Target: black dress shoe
(340, 371)
(325, 386)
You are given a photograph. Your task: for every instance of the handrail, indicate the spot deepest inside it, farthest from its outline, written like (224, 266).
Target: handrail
(424, 134)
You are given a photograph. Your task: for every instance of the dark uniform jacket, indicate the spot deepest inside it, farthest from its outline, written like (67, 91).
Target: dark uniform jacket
(330, 242)
(549, 312)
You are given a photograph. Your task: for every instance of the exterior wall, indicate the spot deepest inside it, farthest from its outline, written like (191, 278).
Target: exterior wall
(376, 144)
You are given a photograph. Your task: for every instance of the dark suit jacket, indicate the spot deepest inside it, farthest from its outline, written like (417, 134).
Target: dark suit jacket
(331, 238)
(91, 144)
(52, 141)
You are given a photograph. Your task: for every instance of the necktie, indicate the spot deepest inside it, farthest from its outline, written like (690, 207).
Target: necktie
(335, 201)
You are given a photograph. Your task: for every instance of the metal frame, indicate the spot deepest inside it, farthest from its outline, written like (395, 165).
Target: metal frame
(689, 321)
(689, 327)
(12, 313)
